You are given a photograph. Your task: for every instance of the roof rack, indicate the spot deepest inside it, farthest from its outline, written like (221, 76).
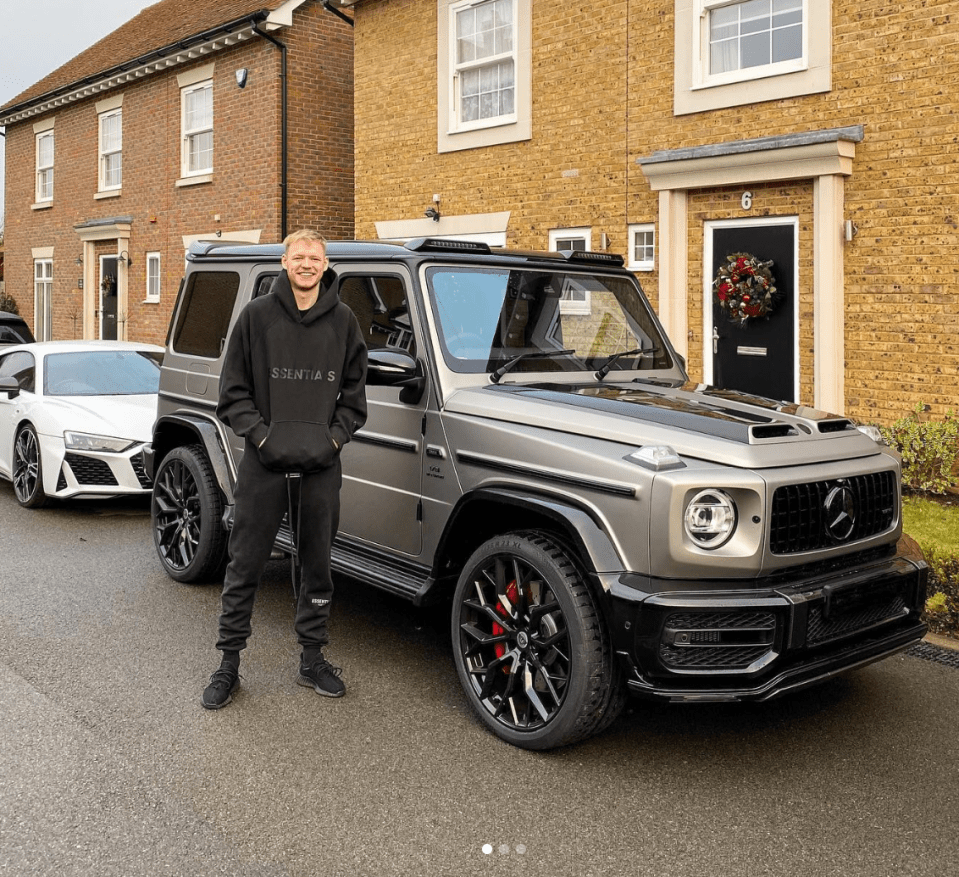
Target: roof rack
(447, 245)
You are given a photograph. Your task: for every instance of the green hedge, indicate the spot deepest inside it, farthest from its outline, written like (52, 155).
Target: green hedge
(929, 449)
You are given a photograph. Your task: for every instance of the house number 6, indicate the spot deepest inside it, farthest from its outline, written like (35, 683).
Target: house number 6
(747, 200)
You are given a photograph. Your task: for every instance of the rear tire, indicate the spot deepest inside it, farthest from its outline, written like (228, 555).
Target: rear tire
(531, 648)
(186, 511)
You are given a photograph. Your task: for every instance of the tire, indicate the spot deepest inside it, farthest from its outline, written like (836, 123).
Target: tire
(186, 511)
(531, 649)
(28, 469)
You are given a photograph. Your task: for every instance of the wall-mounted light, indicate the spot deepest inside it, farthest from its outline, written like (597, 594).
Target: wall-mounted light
(434, 212)
(79, 262)
(241, 76)
(124, 259)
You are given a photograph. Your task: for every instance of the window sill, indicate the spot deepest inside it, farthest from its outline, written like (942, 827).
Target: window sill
(42, 205)
(150, 301)
(111, 193)
(198, 180)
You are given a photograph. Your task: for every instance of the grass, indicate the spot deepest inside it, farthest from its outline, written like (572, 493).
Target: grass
(932, 523)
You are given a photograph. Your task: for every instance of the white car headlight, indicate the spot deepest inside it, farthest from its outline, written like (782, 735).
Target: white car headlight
(81, 441)
(710, 518)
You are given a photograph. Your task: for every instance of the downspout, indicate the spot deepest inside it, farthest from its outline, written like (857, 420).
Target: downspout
(284, 161)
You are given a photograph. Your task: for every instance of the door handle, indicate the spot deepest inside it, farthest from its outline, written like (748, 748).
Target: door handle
(716, 337)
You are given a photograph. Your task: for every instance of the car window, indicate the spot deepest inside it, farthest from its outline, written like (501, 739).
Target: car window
(102, 373)
(19, 365)
(205, 314)
(10, 335)
(379, 302)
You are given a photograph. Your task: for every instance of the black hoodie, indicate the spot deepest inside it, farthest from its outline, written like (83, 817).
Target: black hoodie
(295, 384)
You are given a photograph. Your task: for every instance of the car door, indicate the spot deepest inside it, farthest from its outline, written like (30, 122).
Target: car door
(21, 365)
(383, 465)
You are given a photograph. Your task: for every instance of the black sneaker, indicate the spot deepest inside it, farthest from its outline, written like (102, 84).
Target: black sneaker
(219, 692)
(322, 676)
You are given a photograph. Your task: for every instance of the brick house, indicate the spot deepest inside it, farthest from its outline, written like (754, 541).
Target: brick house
(820, 135)
(198, 119)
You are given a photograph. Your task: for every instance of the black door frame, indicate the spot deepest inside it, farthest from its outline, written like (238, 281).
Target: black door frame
(708, 227)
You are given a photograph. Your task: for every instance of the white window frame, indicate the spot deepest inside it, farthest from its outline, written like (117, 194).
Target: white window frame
(776, 68)
(188, 134)
(153, 277)
(695, 90)
(43, 298)
(106, 151)
(649, 249)
(461, 68)
(44, 177)
(452, 133)
(581, 304)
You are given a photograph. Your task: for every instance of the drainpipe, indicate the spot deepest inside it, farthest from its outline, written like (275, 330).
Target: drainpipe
(284, 162)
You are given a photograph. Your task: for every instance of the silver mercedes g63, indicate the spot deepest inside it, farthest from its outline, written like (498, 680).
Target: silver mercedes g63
(537, 457)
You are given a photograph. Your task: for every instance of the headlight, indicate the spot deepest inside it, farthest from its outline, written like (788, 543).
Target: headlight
(81, 441)
(710, 518)
(873, 433)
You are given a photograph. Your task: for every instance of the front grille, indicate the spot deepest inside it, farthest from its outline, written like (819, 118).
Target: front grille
(87, 470)
(717, 641)
(799, 519)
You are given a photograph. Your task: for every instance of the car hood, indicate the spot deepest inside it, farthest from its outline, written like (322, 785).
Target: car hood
(129, 417)
(698, 421)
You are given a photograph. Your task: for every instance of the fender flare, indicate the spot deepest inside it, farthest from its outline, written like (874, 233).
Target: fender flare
(207, 433)
(592, 540)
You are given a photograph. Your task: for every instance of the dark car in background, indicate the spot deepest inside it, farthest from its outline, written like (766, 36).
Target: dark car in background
(14, 329)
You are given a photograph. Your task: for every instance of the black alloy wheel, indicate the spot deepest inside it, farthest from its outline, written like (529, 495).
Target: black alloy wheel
(186, 511)
(28, 470)
(530, 646)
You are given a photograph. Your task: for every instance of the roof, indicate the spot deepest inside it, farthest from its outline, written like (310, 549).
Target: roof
(164, 25)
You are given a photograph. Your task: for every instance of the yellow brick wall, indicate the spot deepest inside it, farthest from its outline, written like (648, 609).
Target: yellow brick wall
(603, 97)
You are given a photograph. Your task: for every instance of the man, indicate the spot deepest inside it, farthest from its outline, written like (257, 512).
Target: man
(294, 387)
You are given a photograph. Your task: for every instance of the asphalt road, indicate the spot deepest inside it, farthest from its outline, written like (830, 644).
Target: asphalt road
(109, 766)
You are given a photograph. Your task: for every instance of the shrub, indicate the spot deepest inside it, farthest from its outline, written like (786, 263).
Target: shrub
(942, 607)
(8, 303)
(928, 448)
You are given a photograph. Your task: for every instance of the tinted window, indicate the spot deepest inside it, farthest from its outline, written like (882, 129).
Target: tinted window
(20, 366)
(102, 373)
(379, 303)
(205, 313)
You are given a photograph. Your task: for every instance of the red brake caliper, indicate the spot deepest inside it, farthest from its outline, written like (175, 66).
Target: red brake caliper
(511, 594)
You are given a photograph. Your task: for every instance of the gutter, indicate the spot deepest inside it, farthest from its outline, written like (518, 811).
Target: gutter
(151, 57)
(337, 13)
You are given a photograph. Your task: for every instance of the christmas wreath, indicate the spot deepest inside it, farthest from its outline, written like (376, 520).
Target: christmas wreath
(745, 288)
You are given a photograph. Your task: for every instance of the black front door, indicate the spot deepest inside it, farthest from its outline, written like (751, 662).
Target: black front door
(757, 356)
(108, 298)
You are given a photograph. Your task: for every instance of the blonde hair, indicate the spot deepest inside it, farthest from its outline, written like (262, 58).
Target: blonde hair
(303, 234)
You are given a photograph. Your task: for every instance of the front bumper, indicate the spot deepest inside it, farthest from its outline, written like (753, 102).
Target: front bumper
(756, 640)
(69, 474)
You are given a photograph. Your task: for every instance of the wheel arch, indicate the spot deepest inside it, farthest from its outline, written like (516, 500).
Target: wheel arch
(491, 511)
(176, 430)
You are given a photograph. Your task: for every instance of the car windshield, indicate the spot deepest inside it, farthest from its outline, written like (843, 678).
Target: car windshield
(487, 317)
(102, 373)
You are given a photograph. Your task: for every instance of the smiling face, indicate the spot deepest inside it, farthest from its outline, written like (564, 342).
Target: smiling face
(305, 261)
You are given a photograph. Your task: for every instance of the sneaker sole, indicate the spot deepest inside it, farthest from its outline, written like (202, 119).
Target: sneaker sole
(309, 683)
(217, 706)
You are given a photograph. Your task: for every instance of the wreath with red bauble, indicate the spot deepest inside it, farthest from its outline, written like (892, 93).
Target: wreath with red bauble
(745, 288)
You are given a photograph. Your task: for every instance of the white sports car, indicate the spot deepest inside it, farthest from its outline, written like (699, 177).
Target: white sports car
(74, 417)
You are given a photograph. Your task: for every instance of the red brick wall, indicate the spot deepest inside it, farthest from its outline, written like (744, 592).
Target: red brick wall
(245, 189)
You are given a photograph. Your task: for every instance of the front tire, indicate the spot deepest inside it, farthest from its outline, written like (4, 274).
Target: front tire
(531, 648)
(186, 511)
(28, 469)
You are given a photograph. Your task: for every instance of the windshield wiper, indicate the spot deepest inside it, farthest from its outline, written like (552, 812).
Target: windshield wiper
(617, 356)
(541, 354)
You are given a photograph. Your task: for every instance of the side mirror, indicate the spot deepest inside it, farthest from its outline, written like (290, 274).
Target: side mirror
(10, 387)
(395, 368)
